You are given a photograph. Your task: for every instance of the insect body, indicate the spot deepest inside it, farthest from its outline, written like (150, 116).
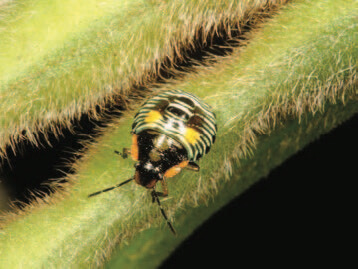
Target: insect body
(171, 131)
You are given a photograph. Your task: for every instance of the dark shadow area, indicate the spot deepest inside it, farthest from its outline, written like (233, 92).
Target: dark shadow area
(303, 214)
(31, 168)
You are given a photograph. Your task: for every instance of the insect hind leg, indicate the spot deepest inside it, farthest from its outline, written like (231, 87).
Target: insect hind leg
(193, 167)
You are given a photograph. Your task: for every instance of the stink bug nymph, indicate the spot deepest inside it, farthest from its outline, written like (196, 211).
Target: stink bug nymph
(170, 132)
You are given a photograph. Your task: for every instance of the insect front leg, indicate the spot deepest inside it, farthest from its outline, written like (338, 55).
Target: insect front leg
(164, 192)
(124, 154)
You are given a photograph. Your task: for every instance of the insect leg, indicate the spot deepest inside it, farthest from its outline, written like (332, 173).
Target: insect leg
(125, 153)
(164, 192)
(193, 166)
(156, 198)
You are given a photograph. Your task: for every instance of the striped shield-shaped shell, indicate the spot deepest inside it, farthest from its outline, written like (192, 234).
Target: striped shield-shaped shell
(181, 116)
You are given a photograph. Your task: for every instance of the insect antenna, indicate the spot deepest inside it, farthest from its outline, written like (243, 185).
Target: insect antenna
(156, 198)
(110, 188)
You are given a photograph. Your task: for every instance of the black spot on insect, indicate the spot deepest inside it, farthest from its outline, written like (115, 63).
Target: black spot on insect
(171, 98)
(178, 112)
(187, 101)
(162, 105)
(195, 121)
(176, 125)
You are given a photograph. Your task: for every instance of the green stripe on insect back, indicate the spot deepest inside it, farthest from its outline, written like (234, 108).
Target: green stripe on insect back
(181, 116)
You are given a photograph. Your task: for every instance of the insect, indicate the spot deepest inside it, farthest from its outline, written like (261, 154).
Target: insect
(170, 132)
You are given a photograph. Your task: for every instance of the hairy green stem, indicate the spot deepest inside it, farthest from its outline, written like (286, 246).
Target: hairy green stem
(59, 59)
(295, 80)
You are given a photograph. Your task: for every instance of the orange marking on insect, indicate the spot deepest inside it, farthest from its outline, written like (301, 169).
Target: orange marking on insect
(183, 164)
(175, 169)
(134, 148)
